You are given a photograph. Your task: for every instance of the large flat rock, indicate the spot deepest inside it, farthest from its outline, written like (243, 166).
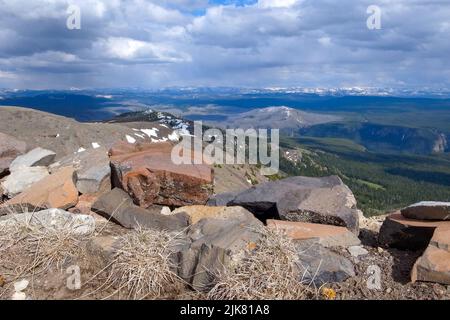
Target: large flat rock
(428, 210)
(400, 232)
(150, 177)
(324, 200)
(326, 235)
(54, 191)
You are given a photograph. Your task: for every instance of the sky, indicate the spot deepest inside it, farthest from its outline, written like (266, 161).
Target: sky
(235, 43)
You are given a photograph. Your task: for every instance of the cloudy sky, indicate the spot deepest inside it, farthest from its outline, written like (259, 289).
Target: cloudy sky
(249, 43)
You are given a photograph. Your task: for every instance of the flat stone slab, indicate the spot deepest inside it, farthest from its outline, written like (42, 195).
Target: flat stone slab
(428, 210)
(37, 157)
(326, 235)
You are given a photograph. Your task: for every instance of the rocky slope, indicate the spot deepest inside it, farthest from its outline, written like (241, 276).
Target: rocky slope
(140, 227)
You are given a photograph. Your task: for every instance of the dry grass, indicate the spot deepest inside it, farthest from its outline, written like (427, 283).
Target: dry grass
(270, 270)
(43, 247)
(143, 268)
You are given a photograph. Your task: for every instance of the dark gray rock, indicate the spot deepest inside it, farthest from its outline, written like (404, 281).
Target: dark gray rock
(119, 207)
(319, 265)
(324, 200)
(222, 199)
(213, 244)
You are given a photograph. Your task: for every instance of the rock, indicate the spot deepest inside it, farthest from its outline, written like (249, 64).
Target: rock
(118, 206)
(222, 199)
(323, 266)
(92, 168)
(197, 213)
(403, 233)
(151, 177)
(214, 243)
(10, 148)
(54, 191)
(84, 205)
(55, 219)
(35, 158)
(428, 210)
(326, 235)
(434, 264)
(357, 251)
(22, 179)
(19, 296)
(21, 285)
(166, 211)
(101, 250)
(324, 200)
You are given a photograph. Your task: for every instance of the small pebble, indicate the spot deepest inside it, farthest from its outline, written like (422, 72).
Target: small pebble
(380, 250)
(19, 296)
(388, 290)
(21, 285)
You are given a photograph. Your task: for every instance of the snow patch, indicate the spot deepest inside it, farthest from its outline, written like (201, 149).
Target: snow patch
(130, 139)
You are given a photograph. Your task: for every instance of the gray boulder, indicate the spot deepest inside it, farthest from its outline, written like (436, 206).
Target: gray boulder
(324, 200)
(319, 265)
(119, 207)
(222, 199)
(92, 167)
(35, 158)
(21, 179)
(428, 210)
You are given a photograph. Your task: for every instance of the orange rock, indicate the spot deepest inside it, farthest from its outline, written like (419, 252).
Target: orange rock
(55, 191)
(327, 235)
(434, 264)
(84, 205)
(150, 176)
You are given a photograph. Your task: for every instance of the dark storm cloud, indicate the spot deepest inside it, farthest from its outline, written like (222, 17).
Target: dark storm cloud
(243, 43)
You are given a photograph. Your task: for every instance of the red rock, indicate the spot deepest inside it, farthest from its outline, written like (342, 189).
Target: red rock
(150, 177)
(55, 191)
(434, 264)
(327, 235)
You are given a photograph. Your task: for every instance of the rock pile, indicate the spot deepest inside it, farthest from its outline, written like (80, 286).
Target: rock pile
(424, 225)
